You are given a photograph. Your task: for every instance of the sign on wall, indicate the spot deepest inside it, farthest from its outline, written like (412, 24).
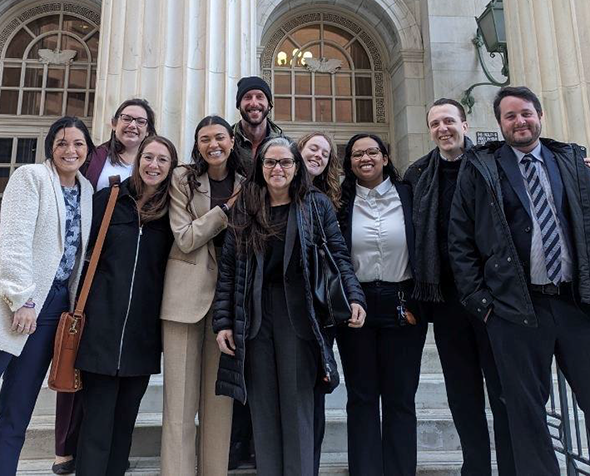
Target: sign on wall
(481, 137)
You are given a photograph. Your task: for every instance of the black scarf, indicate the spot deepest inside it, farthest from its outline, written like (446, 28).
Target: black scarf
(425, 215)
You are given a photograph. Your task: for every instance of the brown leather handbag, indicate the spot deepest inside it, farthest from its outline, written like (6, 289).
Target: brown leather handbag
(63, 377)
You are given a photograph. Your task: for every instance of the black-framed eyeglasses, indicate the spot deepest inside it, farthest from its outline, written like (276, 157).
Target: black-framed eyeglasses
(285, 163)
(372, 152)
(127, 119)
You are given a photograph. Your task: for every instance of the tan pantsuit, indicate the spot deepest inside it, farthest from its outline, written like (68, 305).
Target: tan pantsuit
(191, 353)
(191, 360)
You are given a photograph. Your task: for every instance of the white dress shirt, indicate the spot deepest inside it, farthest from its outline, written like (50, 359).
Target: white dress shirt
(379, 247)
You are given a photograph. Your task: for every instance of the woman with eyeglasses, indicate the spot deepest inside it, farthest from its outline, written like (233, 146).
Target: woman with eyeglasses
(45, 223)
(121, 344)
(201, 196)
(381, 361)
(134, 120)
(273, 347)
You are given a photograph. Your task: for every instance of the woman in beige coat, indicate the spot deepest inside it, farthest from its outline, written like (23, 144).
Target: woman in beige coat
(201, 195)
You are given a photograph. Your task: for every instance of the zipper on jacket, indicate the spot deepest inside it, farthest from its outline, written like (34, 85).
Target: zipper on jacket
(130, 297)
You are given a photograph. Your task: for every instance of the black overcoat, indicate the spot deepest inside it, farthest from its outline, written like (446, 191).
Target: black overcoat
(122, 334)
(236, 296)
(490, 228)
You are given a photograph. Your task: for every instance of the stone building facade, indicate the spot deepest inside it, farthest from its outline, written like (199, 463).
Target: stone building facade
(342, 65)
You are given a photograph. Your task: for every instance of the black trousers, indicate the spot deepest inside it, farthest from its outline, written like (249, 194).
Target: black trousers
(464, 350)
(382, 362)
(68, 418)
(319, 413)
(111, 405)
(281, 372)
(524, 356)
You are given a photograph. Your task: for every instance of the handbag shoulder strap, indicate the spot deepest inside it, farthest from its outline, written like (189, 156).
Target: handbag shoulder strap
(316, 214)
(102, 233)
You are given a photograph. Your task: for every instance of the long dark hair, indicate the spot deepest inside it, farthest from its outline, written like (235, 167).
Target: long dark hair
(329, 180)
(64, 123)
(199, 165)
(115, 146)
(349, 183)
(157, 205)
(251, 213)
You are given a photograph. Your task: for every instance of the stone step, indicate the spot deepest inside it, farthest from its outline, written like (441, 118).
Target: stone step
(430, 463)
(431, 394)
(436, 432)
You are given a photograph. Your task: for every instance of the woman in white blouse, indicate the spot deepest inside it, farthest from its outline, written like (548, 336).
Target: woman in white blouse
(381, 361)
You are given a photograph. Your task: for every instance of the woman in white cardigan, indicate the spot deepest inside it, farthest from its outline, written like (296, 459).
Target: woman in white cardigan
(44, 225)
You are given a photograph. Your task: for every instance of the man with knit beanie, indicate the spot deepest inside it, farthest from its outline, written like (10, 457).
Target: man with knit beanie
(254, 101)
(461, 339)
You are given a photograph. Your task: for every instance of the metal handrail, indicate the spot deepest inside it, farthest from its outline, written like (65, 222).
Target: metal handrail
(565, 425)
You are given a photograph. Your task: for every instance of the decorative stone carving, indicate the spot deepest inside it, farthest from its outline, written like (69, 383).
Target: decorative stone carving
(83, 11)
(323, 65)
(380, 110)
(40, 10)
(47, 9)
(56, 56)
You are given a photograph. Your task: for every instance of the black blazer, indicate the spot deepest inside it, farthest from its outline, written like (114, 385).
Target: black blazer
(405, 195)
(517, 205)
(294, 284)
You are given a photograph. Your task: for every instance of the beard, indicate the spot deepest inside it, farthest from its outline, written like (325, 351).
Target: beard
(257, 122)
(510, 136)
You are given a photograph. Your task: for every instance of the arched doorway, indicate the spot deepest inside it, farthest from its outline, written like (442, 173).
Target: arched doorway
(48, 60)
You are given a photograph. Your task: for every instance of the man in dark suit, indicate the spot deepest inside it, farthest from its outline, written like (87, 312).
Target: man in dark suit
(519, 241)
(461, 338)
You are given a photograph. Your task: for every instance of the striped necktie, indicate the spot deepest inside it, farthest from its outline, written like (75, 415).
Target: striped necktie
(546, 219)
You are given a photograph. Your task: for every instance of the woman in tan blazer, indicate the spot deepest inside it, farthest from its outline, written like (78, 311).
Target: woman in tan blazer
(200, 198)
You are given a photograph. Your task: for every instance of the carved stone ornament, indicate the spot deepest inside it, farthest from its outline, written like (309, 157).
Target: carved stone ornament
(323, 65)
(56, 57)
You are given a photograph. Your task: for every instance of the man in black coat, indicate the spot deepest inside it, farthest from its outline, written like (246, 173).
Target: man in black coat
(519, 241)
(461, 339)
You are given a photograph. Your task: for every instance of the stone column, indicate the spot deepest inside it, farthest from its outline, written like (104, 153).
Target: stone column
(184, 56)
(549, 51)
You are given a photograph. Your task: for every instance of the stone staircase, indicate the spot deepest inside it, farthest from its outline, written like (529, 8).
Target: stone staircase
(438, 443)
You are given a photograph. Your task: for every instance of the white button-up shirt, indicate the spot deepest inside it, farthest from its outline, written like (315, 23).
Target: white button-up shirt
(379, 247)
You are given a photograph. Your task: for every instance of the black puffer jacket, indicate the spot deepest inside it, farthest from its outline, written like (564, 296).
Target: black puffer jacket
(122, 334)
(233, 299)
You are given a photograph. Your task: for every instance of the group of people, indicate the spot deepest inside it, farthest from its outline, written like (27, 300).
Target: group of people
(210, 263)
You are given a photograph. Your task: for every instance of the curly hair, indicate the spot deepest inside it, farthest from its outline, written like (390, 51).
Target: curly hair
(199, 165)
(250, 218)
(329, 180)
(349, 183)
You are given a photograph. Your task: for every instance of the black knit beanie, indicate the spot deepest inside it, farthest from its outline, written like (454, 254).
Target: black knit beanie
(248, 84)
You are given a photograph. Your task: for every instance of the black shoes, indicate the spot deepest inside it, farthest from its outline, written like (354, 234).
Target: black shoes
(67, 467)
(240, 456)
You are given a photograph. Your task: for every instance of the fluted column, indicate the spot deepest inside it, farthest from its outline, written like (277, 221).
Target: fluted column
(549, 51)
(184, 56)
